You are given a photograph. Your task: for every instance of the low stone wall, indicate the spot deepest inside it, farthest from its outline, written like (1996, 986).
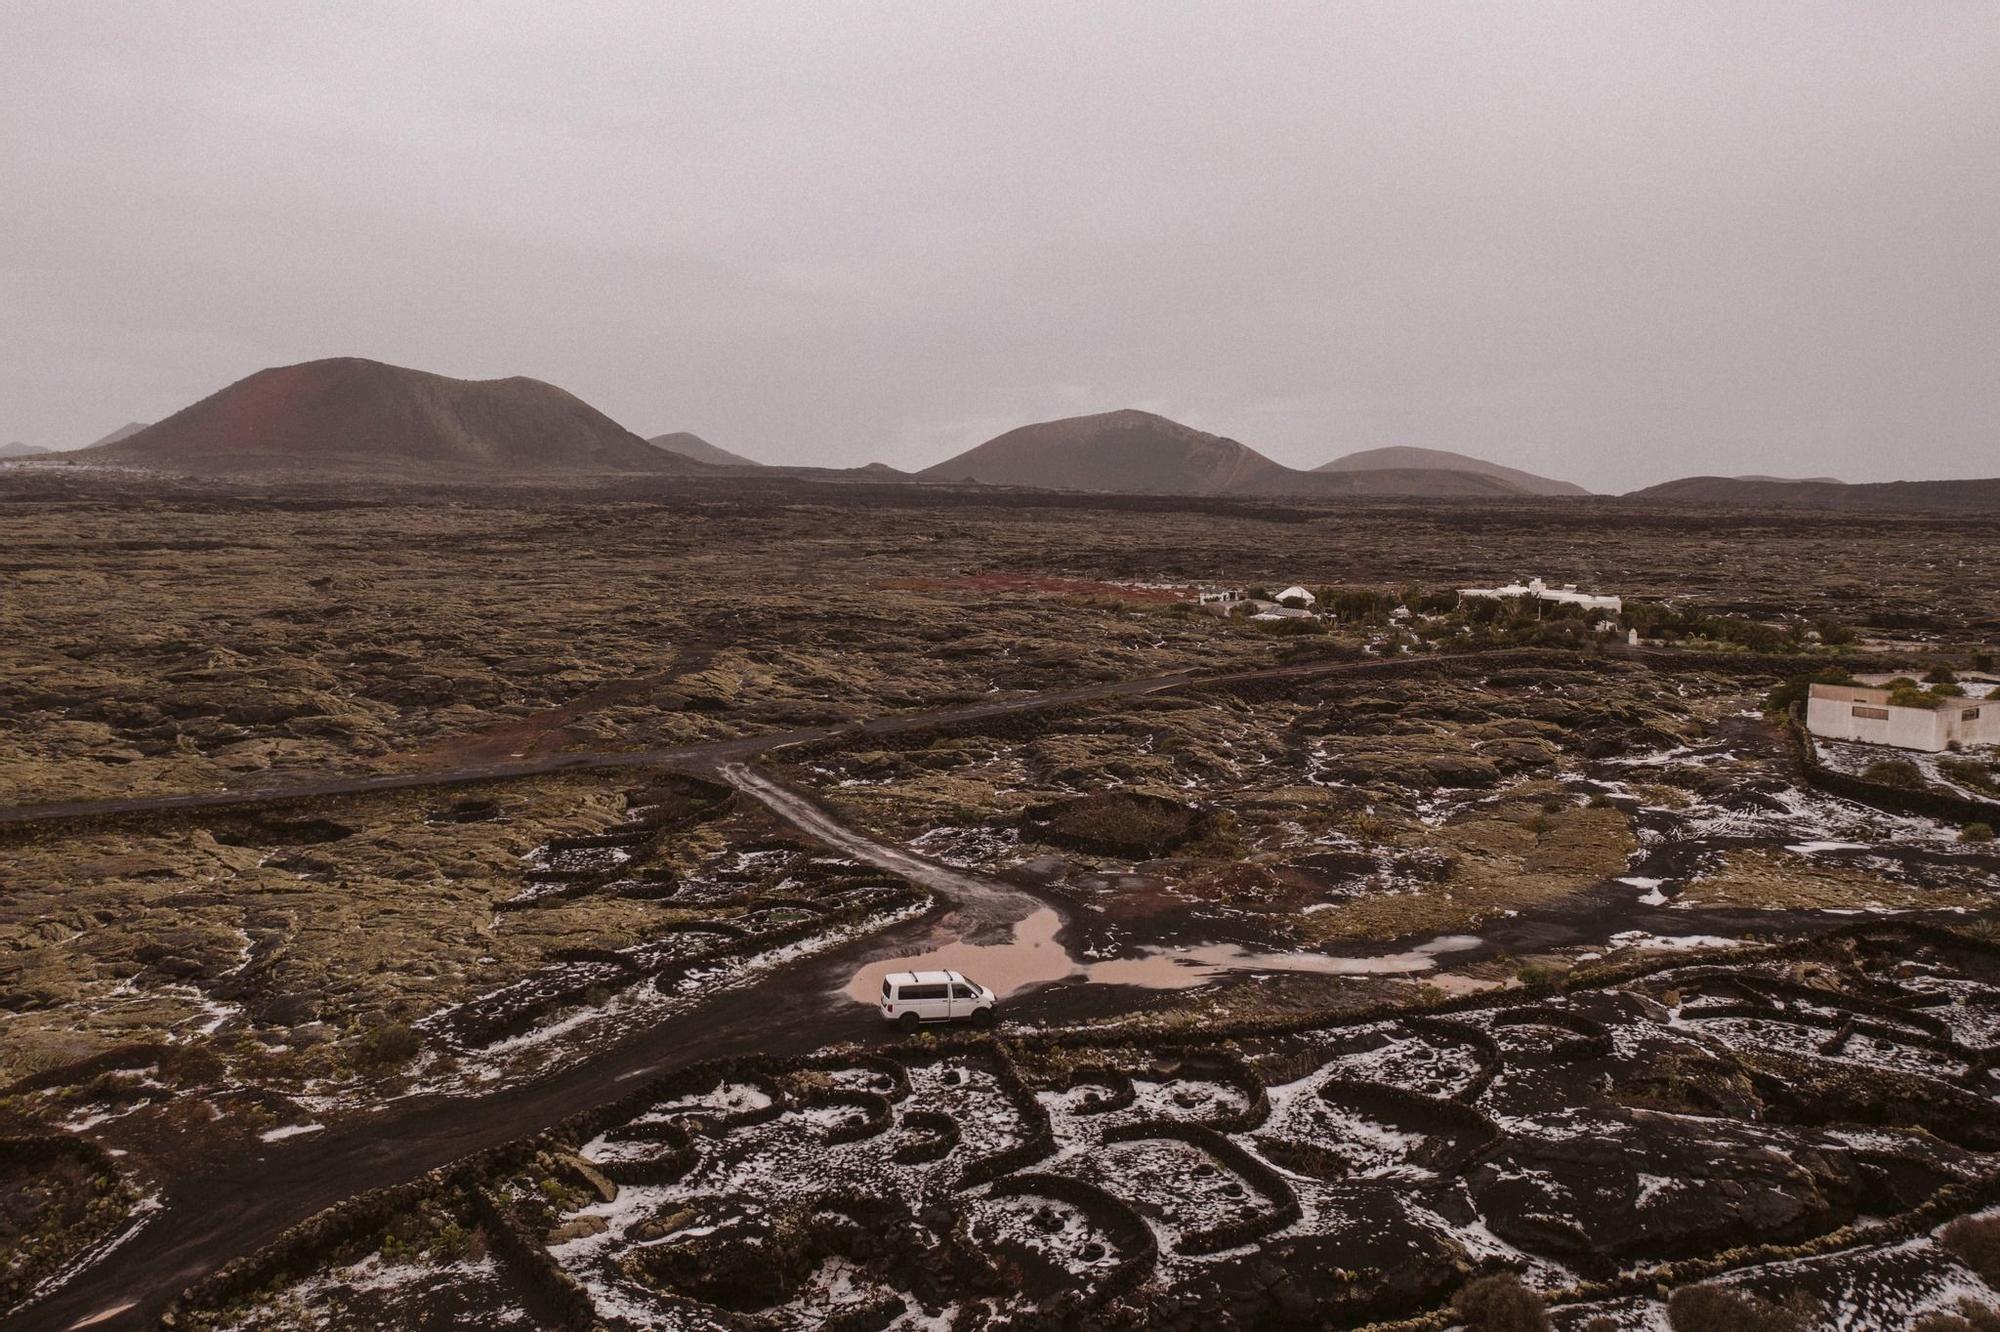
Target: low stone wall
(1756, 663)
(1124, 1226)
(1930, 803)
(1229, 1234)
(557, 1300)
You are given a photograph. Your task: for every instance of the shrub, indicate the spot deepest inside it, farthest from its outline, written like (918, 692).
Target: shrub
(1751, 634)
(387, 1046)
(1500, 1303)
(1289, 628)
(1971, 773)
(1432, 601)
(1115, 823)
(1720, 1309)
(1975, 1241)
(1976, 832)
(1798, 686)
(1356, 605)
(1940, 674)
(1895, 772)
(1910, 696)
(1972, 1316)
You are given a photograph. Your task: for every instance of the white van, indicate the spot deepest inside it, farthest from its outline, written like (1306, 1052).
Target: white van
(911, 997)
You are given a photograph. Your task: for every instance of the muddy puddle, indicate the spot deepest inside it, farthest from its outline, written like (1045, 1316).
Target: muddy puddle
(1035, 957)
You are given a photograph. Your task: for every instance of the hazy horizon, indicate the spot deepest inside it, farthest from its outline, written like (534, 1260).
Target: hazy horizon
(1613, 245)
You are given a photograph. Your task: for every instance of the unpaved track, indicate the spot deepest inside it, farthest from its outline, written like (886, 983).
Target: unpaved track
(980, 904)
(232, 1207)
(716, 753)
(708, 754)
(235, 1206)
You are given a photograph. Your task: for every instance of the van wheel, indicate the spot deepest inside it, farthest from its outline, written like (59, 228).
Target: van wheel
(908, 1022)
(982, 1017)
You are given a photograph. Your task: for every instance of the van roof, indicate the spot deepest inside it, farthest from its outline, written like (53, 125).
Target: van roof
(901, 978)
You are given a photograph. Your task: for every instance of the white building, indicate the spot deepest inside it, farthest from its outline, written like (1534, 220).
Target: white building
(1537, 590)
(1296, 596)
(1861, 712)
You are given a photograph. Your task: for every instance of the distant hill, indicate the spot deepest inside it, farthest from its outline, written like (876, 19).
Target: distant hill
(699, 449)
(349, 414)
(876, 472)
(1391, 482)
(1925, 496)
(20, 450)
(126, 431)
(1137, 452)
(1119, 451)
(1401, 458)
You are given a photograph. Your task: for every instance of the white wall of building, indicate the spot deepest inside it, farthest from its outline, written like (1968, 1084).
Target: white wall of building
(1982, 729)
(1846, 719)
(1847, 712)
(1541, 591)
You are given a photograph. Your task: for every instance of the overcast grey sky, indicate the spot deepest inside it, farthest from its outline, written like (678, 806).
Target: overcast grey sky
(1615, 242)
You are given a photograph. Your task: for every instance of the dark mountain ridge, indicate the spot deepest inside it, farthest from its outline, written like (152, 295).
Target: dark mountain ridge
(1136, 452)
(1404, 458)
(348, 413)
(690, 445)
(1911, 496)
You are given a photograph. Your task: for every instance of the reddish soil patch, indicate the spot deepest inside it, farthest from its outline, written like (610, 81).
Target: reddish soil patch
(525, 737)
(1069, 587)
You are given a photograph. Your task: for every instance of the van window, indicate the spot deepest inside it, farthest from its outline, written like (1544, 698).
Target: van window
(887, 993)
(914, 992)
(962, 992)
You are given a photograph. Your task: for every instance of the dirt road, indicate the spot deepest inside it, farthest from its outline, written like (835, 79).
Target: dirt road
(232, 1207)
(980, 902)
(717, 753)
(236, 1206)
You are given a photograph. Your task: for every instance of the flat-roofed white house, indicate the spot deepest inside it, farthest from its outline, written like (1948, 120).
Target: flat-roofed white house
(1538, 590)
(1864, 713)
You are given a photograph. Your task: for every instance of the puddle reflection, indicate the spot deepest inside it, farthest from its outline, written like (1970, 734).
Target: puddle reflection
(1033, 957)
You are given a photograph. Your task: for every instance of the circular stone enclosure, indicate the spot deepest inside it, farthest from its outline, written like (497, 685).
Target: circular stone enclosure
(1116, 823)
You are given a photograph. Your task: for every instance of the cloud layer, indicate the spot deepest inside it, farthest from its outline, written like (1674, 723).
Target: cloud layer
(1613, 243)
